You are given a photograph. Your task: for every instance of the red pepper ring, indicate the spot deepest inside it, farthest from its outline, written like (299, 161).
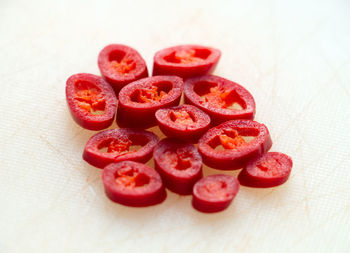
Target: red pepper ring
(91, 101)
(268, 170)
(222, 99)
(179, 164)
(232, 144)
(133, 184)
(139, 101)
(214, 193)
(117, 145)
(185, 61)
(120, 65)
(185, 122)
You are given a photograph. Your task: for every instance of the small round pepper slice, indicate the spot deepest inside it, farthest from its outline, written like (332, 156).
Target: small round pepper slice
(186, 60)
(214, 193)
(133, 184)
(232, 144)
(185, 122)
(139, 101)
(91, 101)
(268, 170)
(116, 145)
(179, 164)
(121, 65)
(222, 99)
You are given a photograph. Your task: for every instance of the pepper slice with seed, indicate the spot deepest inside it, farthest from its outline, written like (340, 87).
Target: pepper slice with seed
(91, 101)
(116, 145)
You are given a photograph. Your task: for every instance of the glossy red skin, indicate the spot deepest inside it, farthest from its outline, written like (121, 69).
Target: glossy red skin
(99, 159)
(133, 114)
(82, 117)
(149, 194)
(252, 176)
(185, 70)
(211, 201)
(186, 132)
(232, 159)
(116, 79)
(219, 115)
(178, 181)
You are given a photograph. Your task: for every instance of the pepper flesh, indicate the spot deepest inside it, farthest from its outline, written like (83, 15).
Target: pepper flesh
(181, 117)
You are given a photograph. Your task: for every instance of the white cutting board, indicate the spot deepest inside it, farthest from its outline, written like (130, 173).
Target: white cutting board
(293, 57)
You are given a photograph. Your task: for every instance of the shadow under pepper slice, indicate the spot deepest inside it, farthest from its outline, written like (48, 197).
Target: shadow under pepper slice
(268, 170)
(139, 100)
(185, 61)
(133, 184)
(91, 101)
(220, 98)
(232, 144)
(116, 145)
(121, 65)
(185, 122)
(179, 164)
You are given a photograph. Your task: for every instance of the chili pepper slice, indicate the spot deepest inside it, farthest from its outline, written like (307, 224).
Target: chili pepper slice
(133, 184)
(120, 65)
(116, 145)
(91, 101)
(268, 170)
(214, 193)
(179, 164)
(232, 144)
(185, 122)
(139, 100)
(222, 99)
(186, 60)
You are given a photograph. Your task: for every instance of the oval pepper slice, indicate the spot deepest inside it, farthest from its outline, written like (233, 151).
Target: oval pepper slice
(179, 164)
(116, 145)
(222, 99)
(139, 101)
(214, 193)
(91, 101)
(232, 144)
(186, 60)
(185, 122)
(133, 184)
(268, 170)
(120, 65)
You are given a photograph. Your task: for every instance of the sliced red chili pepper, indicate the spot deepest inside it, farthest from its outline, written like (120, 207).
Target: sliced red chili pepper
(184, 122)
(133, 184)
(139, 100)
(91, 101)
(179, 164)
(214, 193)
(232, 144)
(222, 99)
(120, 65)
(268, 170)
(186, 61)
(116, 145)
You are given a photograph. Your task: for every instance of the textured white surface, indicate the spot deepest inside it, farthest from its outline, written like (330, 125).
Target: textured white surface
(294, 58)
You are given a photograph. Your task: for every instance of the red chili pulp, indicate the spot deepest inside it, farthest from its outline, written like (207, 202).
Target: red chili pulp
(185, 122)
(222, 99)
(120, 65)
(268, 170)
(214, 193)
(232, 144)
(133, 184)
(91, 101)
(116, 145)
(179, 164)
(139, 100)
(186, 61)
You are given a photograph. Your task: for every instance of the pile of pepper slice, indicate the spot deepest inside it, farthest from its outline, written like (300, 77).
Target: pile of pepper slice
(214, 126)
